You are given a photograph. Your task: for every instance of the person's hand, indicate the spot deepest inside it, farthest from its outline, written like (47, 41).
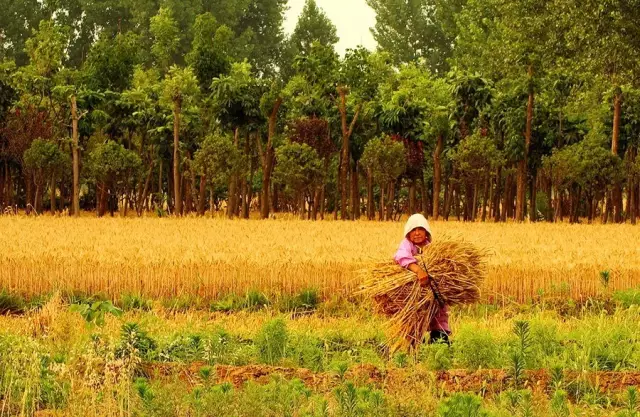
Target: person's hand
(423, 278)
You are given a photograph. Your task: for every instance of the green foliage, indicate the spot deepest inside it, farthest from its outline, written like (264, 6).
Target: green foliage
(94, 313)
(11, 303)
(111, 62)
(210, 49)
(46, 48)
(560, 404)
(45, 158)
(184, 348)
(385, 158)
(221, 347)
(130, 301)
(236, 98)
(144, 391)
(218, 158)
(476, 349)
(307, 300)
(605, 276)
(114, 165)
(584, 164)
(476, 156)
(166, 35)
(255, 300)
(308, 352)
(518, 402)
(522, 330)
(271, 342)
(354, 401)
(415, 30)
(180, 87)
(299, 167)
(517, 368)
(631, 404)
(313, 26)
(436, 356)
(627, 298)
(135, 342)
(462, 405)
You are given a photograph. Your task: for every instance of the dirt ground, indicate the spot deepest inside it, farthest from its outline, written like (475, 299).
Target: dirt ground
(484, 381)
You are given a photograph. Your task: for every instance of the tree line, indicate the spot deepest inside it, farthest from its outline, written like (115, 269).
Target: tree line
(473, 109)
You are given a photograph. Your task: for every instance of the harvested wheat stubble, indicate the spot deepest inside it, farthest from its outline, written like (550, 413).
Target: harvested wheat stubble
(458, 268)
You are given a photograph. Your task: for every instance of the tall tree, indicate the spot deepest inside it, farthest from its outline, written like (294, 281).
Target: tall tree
(17, 21)
(209, 55)
(313, 26)
(410, 30)
(111, 61)
(166, 35)
(180, 88)
(262, 21)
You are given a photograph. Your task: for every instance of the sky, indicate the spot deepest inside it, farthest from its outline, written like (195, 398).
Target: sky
(352, 18)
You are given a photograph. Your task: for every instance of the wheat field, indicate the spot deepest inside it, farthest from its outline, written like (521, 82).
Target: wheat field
(211, 257)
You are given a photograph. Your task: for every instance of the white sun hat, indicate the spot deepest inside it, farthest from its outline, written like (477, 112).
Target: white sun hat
(415, 221)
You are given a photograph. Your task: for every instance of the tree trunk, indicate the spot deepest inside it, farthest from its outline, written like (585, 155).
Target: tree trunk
(268, 158)
(521, 192)
(497, 196)
(383, 190)
(232, 201)
(577, 206)
(533, 191)
(507, 198)
(52, 194)
(301, 205)
(245, 183)
(275, 202)
(550, 201)
(347, 131)
(606, 211)
(631, 199)
(38, 202)
(102, 203)
(202, 195)
(188, 198)
(3, 184)
(322, 201)
(448, 197)
(469, 200)
(160, 191)
(486, 199)
(615, 138)
(176, 158)
(474, 201)
(637, 192)
(391, 198)
(317, 191)
(370, 202)
(437, 176)
(425, 197)
(76, 157)
(412, 197)
(144, 191)
(355, 193)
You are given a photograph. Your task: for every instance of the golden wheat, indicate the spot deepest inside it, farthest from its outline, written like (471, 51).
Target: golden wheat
(209, 257)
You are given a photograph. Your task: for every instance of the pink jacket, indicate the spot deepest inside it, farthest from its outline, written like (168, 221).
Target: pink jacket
(405, 256)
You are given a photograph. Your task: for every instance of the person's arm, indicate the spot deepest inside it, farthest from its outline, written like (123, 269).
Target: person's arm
(404, 257)
(423, 277)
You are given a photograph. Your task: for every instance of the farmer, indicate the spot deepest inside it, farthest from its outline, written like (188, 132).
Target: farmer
(417, 235)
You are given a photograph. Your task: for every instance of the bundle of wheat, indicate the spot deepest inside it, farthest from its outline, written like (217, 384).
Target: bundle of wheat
(456, 268)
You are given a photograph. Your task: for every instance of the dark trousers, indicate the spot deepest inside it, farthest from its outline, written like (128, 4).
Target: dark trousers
(439, 336)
